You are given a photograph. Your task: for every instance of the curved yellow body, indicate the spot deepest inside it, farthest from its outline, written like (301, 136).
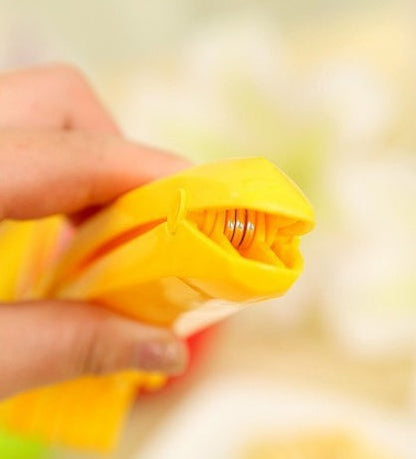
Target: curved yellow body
(227, 230)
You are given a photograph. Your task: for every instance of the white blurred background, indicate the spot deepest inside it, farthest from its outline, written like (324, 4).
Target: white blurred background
(326, 89)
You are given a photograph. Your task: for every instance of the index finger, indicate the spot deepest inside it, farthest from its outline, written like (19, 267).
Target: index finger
(45, 172)
(53, 96)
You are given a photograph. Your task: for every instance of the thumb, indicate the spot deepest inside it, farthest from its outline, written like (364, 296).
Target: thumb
(47, 342)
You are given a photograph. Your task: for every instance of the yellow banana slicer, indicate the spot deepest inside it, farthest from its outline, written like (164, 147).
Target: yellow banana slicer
(163, 254)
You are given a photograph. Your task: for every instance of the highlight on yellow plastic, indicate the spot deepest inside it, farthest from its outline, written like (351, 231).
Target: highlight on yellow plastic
(224, 231)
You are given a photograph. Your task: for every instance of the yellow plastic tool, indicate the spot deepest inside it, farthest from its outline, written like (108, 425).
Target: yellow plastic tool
(227, 230)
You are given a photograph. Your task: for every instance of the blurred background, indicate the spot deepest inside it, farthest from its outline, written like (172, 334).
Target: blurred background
(326, 90)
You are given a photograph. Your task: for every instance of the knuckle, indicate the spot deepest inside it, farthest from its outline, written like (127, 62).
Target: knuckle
(89, 358)
(98, 350)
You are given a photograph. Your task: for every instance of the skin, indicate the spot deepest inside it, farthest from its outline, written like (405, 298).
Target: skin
(61, 152)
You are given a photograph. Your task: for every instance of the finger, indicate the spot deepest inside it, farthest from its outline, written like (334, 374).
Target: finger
(55, 96)
(45, 343)
(43, 172)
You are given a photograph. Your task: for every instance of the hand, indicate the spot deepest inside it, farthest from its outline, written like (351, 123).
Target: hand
(60, 152)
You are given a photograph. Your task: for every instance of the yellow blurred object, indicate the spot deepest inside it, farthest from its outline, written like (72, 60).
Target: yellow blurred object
(322, 445)
(227, 230)
(83, 413)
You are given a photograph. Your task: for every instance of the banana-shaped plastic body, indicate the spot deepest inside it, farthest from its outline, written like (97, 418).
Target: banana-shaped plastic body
(225, 231)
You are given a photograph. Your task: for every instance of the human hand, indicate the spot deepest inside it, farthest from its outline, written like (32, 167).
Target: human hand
(60, 152)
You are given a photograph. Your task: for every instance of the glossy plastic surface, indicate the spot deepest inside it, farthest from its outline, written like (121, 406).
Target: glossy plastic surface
(170, 244)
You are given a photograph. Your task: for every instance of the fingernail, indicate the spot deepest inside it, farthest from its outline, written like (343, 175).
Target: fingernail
(168, 357)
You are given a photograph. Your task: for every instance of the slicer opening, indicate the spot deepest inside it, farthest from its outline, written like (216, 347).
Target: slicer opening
(255, 235)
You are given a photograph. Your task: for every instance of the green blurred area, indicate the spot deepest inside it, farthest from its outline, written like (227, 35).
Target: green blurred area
(15, 447)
